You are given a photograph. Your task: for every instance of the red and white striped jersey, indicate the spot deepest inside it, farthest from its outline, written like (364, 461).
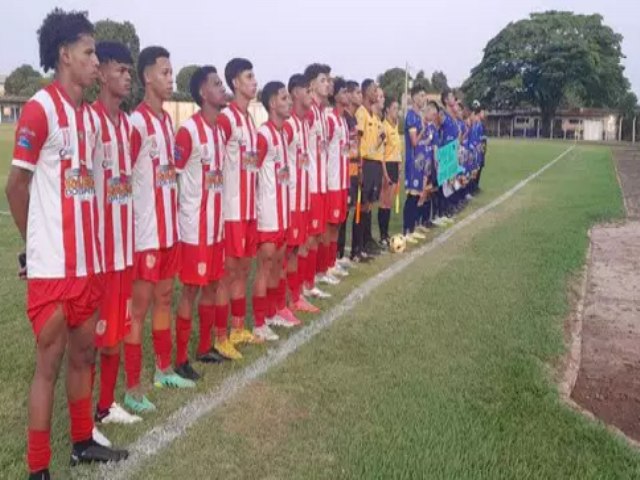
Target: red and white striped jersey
(317, 149)
(297, 135)
(155, 188)
(240, 164)
(338, 162)
(273, 179)
(199, 159)
(56, 141)
(112, 173)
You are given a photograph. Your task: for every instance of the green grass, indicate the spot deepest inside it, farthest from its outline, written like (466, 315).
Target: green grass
(440, 374)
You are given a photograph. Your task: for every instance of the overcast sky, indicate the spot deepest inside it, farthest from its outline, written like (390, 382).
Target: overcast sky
(358, 38)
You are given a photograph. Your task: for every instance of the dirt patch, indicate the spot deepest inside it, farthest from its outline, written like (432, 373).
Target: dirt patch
(608, 382)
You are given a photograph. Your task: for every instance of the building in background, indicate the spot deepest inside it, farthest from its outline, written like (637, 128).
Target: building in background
(3, 78)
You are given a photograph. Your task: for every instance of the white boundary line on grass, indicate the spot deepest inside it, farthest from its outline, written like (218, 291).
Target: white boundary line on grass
(177, 424)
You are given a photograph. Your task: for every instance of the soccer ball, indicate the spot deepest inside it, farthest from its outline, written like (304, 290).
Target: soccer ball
(397, 244)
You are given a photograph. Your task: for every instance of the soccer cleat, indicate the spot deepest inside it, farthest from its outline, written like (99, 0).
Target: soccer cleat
(92, 452)
(212, 356)
(265, 333)
(468, 197)
(448, 220)
(99, 437)
(186, 371)
(284, 318)
(345, 262)
(302, 305)
(338, 271)
(227, 350)
(315, 292)
(170, 379)
(327, 279)
(239, 336)
(409, 238)
(422, 229)
(138, 403)
(418, 236)
(116, 414)
(438, 222)
(40, 475)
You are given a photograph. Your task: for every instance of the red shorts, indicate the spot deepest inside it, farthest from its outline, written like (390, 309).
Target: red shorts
(336, 205)
(79, 297)
(317, 212)
(241, 238)
(201, 266)
(114, 322)
(156, 265)
(279, 238)
(297, 231)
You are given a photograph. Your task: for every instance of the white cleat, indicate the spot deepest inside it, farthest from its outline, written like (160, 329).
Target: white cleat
(265, 333)
(469, 197)
(327, 279)
(315, 292)
(345, 262)
(418, 236)
(409, 238)
(338, 271)
(99, 438)
(422, 229)
(119, 415)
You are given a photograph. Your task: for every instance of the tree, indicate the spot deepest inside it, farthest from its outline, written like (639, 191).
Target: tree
(183, 92)
(24, 81)
(439, 81)
(423, 81)
(123, 32)
(546, 58)
(393, 83)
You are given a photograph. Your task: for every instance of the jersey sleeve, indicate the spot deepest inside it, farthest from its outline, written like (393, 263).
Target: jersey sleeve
(183, 148)
(31, 133)
(331, 128)
(224, 124)
(136, 144)
(262, 147)
(360, 120)
(288, 133)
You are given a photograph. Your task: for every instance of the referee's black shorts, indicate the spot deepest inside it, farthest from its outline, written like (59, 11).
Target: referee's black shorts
(371, 180)
(393, 170)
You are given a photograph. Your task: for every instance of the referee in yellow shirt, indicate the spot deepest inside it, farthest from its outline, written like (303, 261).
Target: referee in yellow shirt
(372, 137)
(390, 168)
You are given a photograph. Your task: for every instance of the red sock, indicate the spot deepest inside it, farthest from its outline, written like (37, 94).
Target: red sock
(109, 365)
(162, 347)
(321, 260)
(293, 280)
(259, 311)
(222, 312)
(333, 254)
(272, 302)
(38, 450)
(132, 364)
(238, 311)
(282, 294)
(310, 270)
(183, 333)
(207, 315)
(302, 268)
(81, 420)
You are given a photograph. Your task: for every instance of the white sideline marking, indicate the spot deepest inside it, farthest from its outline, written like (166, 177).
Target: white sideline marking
(177, 424)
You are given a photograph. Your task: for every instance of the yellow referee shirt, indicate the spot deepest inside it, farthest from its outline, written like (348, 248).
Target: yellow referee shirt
(370, 130)
(392, 142)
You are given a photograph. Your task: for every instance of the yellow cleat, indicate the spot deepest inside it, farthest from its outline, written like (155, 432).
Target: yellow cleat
(227, 350)
(240, 336)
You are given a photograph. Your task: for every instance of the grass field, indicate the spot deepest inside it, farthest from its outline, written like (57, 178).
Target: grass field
(443, 373)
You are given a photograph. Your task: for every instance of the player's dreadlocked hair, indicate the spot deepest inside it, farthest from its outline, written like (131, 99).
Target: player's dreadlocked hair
(58, 29)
